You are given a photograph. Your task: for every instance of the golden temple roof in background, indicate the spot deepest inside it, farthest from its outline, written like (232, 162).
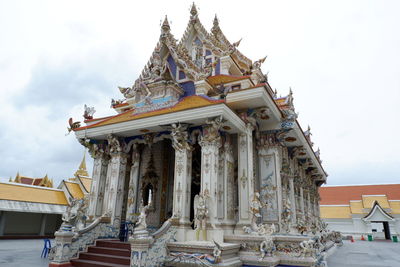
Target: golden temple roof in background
(40, 190)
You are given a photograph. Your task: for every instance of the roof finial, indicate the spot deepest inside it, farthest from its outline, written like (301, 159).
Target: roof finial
(216, 21)
(193, 10)
(165, 26)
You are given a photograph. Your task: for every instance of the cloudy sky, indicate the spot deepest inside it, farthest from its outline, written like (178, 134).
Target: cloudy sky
(341, 59)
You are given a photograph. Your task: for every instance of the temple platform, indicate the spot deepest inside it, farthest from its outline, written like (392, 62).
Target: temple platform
(200, 253)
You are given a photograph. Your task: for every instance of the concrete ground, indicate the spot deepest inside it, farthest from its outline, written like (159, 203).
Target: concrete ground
(26, 253)
(22, 253)
(366, 254)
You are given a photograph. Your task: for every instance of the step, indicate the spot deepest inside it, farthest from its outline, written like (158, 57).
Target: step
(89, 263)
(110, 251)
(105, 258)
(113, 244)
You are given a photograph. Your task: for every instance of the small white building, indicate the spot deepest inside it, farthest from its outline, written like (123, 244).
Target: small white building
(362, 209)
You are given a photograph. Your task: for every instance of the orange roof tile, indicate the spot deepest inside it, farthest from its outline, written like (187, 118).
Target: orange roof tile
(218, 79)
(341, 195)
(189, 102)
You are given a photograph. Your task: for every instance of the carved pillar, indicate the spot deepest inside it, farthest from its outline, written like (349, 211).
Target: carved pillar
(99, 177)
(228, 181)
(133, 184)
(308, 204)
(209, 172)
(182, 184)
(115, 181)
(292, 199)
(302, 201)
(268, 170)
(245, 175)
(183, 174)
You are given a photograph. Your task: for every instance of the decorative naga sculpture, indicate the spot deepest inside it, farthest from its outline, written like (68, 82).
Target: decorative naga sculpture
(88, 112)
(74, 217)
(307, 248)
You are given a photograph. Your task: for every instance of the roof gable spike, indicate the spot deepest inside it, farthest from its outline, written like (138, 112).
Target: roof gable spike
(165, 28)
(193, 10)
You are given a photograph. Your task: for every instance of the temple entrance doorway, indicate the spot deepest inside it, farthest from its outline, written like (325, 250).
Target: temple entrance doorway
(196, 178)
(381, 230)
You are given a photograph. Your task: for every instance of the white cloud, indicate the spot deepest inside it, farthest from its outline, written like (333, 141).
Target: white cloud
(341, 58)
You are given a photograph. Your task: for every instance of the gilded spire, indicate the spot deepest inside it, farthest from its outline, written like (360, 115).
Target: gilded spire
(82, 168)
(17, 178)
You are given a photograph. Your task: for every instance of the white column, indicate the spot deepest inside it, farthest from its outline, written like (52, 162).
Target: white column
(42, 231)
(2, 222)
(292, 199)
(245, 175)
(308, 204)
(209, 174)
(99, 176)
(302, 201)
(182, 184)
(228, 183)
(115, 186)
(133, 184)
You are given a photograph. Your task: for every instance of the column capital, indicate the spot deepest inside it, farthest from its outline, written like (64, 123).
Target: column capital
(211, 135)
(95, 150)
(180, 137)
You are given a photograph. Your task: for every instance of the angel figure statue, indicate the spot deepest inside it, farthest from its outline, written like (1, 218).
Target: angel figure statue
(141, 222)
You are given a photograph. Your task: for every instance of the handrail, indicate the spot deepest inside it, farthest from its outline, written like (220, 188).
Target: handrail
(91, 226)
(163, 229)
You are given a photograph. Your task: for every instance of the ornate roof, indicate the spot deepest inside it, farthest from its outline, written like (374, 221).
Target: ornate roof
(37, 194)
(189, 102)
(74, 189)
(45, 181)
(223, 79)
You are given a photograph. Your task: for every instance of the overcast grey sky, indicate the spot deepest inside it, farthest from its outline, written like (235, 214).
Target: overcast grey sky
(341, 59)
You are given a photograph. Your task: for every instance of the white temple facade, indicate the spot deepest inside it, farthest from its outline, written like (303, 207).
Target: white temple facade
(205, 158)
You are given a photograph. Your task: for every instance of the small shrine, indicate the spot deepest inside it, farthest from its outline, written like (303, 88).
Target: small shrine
(206, 162)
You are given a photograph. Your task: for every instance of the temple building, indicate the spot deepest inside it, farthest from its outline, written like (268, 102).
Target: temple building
(362, 209)
(209, 165)
(34, 200)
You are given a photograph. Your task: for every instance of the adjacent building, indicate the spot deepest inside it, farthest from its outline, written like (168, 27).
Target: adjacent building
(34, 200)
(362, 209)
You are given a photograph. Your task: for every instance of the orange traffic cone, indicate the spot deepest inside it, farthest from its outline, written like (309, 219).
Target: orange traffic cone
(362, 238)
(352, 239)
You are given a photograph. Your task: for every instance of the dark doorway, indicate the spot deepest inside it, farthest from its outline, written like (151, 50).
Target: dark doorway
(386, 229)
(196, 178)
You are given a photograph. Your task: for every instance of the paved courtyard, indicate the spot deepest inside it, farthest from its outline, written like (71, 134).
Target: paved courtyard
(366, 254)
(22, 253)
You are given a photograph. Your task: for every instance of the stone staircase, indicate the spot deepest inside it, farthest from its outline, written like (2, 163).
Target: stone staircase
(106, 253)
